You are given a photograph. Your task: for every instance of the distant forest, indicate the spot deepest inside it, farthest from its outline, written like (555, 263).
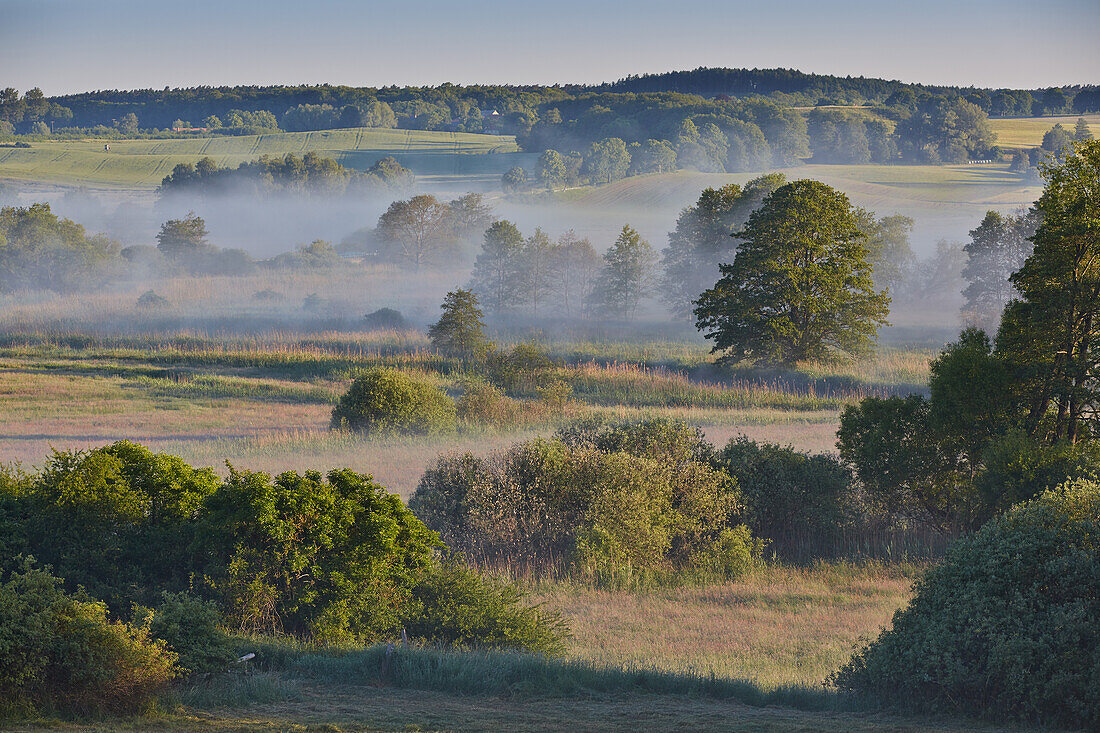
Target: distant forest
(718, 120)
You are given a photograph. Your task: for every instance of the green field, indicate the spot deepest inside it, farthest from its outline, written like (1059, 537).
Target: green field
(1027, 132)
(143, 163)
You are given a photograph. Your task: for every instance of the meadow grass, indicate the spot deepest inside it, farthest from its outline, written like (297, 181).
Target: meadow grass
(1027, 132)
(143, 163)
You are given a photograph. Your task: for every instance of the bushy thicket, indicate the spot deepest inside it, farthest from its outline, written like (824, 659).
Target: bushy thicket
(391, 401)
(322, 557)
(610, 501)
(60, 652)
(1008, 625)
(786, 492)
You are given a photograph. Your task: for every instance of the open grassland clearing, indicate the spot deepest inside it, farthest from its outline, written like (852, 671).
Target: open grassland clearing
(1027, 132)
(143, 163)
(265, 402)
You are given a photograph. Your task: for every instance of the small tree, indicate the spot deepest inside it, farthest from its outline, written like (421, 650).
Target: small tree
(494, 276)
(514, 179)
(627, 274)
(1081, 131)
(460, 330)
(183, 237)
(551, 170)
(800, 284)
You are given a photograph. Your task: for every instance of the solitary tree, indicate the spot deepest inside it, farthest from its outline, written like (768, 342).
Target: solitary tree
(460, 330)
(627, 274)
(800, 284)
(1081, 131)
(183, 237)
(607, 160)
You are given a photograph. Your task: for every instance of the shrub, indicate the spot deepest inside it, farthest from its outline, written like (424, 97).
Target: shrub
(151, 299)
(617, 503)
(457, 606)
(191, 627)
(522, 370)
(60, 652)
(115, 520)
(385, 319)
(485, 403)
(787, 492)
(1008, 625)
(323, 557)
(386, 400)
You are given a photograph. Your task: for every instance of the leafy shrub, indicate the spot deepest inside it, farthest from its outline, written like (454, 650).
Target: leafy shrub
(616, 502)
(191, 627)
(386, 400)
(522, 370)
(785, 491)
(457, 606)
(1008, 625)
(150, 299)
(60, 652)
(385, 319)
(324, 557)
(115, 520)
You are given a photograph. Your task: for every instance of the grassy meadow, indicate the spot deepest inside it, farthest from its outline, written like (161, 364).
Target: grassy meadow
(1027, 132)
(141, 164)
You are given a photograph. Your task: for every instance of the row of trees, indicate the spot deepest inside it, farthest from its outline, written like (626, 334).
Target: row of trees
(538, 277)
(311, 174)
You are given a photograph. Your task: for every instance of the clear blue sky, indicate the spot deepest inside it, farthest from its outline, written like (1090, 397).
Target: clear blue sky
(66, 46)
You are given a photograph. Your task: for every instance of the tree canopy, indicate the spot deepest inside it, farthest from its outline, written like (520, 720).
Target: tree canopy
(800, 284)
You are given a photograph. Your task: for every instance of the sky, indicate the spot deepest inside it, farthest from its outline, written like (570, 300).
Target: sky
(65, 46)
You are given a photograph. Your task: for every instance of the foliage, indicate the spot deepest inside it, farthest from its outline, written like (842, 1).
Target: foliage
(191, 628)
(38, 249)
(94, 516)
(390, 401)
(460, 330)
(946, 130)
(997, 248)
(458, 607)
(1006, 626)
(787, 492)
(799, 285)
(1049, 335)
(616, 503)
(522, 370)
(385, 319)
(416, 232)
(326, 557)
(61, 652)
(702, 241)
(627, 276)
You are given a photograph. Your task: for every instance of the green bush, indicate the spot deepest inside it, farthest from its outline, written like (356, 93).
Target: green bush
(614, 502)
(326, 558)
(191, 627)
(390, 401)
(459, 607)
(61, 653)
(1008, 625)
(787, 492)
(116, 520)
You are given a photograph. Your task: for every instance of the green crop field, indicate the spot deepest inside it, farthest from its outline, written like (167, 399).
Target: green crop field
(1027, 132)
(143, 163)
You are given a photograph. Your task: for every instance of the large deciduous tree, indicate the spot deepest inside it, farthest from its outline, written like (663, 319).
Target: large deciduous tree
(1050, 333)
(800, 285)
(997, 248)
(419, 229)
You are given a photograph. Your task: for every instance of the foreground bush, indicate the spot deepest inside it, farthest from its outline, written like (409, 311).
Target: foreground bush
(1008, 625)
(612, 502)
(390, 401)
(61, 652)
(328, 558)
